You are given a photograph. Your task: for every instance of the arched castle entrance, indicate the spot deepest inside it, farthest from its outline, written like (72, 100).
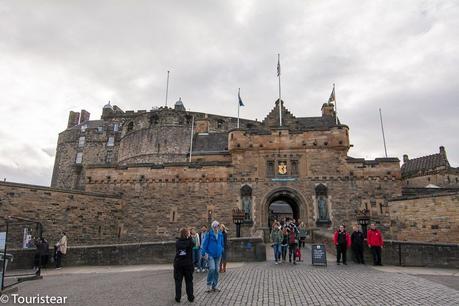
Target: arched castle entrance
(278, 198)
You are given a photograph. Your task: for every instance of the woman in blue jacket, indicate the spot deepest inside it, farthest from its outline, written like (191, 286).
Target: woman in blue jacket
(212, 249)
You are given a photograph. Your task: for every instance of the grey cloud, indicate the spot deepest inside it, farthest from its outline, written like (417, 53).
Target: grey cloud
(400, 56)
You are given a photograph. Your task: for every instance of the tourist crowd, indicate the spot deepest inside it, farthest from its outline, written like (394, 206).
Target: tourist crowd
(291, 235)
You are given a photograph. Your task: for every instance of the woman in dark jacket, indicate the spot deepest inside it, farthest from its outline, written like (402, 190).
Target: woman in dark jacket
(225, 248)
(183, 265)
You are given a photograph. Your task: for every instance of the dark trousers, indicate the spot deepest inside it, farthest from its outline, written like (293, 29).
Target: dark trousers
(291, 252)
(59, 259)
(341, 249)
(179, 273)
(376, 252)
(302, 242)
(358, 253)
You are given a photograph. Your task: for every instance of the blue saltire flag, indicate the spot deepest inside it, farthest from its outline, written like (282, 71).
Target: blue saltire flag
(239, 97)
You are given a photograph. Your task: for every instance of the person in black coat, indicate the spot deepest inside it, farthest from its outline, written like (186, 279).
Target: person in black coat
(357, 239)
(183, 265)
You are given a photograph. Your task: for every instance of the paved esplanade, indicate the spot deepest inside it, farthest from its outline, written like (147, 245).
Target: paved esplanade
(252, 284)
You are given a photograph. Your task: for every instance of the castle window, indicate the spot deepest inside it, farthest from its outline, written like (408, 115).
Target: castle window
(79, 158)
(270, 168)
(220, 124)
(294, 164)
(81, 142)
(109, 157)
(100, 129)
(84, 127)
(380, 208)
(449, 180)
(130, 126)
(115, 127)
(111, 141)
(173, 215)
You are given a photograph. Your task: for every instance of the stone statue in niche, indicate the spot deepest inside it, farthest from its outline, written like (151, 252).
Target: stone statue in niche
(323, 210)
(247, 207)
(246, 199)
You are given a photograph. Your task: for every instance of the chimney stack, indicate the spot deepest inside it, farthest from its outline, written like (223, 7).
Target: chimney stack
(405, 158)
(443, 151)
(84, 116)
(74, 119)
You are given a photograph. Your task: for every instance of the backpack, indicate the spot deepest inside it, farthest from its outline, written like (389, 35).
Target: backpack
(291, 237)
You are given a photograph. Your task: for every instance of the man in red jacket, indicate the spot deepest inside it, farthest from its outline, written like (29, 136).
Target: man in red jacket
(342, 240)
(375, 243)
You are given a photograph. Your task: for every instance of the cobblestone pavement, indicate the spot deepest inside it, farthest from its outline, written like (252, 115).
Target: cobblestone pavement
(304, 284)
(252, 284)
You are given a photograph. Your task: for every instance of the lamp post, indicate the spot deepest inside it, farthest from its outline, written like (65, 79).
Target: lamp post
(363, 219)
(238, 219)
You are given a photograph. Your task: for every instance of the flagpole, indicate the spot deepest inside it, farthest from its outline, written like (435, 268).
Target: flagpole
(167, 86)
(382, 129)
(191, 137)
(280, 100)
(336, 104)
(238, 106)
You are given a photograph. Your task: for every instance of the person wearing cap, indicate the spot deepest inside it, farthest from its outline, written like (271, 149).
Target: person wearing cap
(212, 250)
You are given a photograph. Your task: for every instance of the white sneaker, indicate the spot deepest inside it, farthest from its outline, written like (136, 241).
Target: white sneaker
(277, 263)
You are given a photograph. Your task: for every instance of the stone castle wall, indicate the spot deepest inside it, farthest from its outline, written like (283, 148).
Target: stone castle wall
(431, 218)
(158, 202)
(444, 180)
(87, 218)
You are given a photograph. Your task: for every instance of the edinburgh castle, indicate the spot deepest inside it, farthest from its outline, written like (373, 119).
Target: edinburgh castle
(140, 176)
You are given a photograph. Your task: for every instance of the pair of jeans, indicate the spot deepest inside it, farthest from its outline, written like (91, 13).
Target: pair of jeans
(284, 251)
(376, 252)
(196, 258)
(203, 264)
(181, 272)
(277, 251)
(212, 275)
(341, 250)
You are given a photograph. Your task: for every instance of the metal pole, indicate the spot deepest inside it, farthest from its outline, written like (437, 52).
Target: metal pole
(4, 258)
(191, 138)
(336, 104)
(382, 129)
(280, 100)
(167, 86)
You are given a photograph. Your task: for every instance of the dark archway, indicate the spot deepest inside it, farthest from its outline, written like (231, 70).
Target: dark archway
(292, 197)
(281, 207)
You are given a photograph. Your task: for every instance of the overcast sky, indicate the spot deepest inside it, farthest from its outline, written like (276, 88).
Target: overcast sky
(401, 56)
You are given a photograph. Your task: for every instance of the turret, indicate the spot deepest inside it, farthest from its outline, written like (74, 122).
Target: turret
(328, 109)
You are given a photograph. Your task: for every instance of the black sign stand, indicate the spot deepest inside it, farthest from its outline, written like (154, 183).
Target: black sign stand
(319, 255)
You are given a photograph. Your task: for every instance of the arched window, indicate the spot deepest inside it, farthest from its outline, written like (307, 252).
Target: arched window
(246, 199)
(322, 202)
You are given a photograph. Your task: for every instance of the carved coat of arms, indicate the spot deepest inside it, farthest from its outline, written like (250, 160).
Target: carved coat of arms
(282, 168)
